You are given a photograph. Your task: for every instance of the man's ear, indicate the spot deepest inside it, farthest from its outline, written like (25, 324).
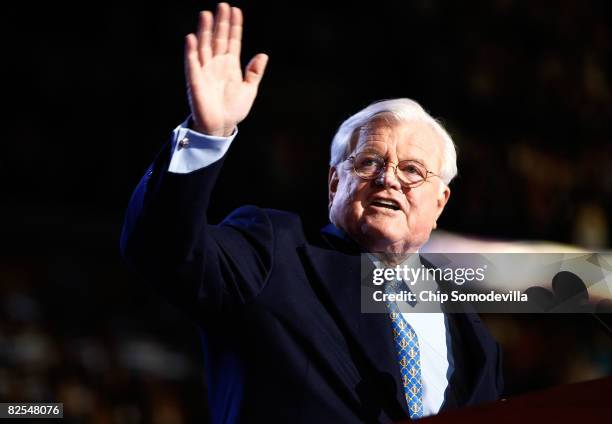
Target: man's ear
(442, 200)
(332, 184)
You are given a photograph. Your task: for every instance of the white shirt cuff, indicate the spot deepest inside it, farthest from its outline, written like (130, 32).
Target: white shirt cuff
(192, 150)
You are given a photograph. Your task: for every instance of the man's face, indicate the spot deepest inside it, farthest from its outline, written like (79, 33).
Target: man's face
(355, 203)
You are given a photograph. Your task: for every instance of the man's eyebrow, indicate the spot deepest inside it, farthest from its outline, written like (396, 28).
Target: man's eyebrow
(413, 159)
(372, 149)
(369, 146)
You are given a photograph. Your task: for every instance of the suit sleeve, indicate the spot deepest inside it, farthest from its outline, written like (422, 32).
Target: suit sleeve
(204, 269)
(500, 372)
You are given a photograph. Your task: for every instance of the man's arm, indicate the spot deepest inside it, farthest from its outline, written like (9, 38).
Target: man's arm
(166, 237)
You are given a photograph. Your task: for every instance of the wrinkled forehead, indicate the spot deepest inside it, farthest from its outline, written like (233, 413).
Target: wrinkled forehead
(397, 141)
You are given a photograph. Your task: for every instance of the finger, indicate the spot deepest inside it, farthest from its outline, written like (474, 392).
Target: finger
(221, 33)
(192, 60)
(235, 36)
(255, 69)
(205, 29)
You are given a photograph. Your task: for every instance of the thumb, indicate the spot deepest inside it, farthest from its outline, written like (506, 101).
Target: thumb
(256, 68)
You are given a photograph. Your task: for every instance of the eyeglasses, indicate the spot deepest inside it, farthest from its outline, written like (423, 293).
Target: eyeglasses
(409, 173)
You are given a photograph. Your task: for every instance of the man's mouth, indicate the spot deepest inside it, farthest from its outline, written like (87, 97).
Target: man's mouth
(386, 203)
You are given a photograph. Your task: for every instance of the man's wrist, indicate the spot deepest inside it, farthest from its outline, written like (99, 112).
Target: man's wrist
(221, 132)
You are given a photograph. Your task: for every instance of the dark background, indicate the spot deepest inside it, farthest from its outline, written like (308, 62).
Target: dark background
(92, 91)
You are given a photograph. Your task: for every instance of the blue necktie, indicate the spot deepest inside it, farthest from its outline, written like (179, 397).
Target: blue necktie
(409, 357)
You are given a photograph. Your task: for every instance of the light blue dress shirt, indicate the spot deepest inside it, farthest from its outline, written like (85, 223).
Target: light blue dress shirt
(192, 150)
(432, 331)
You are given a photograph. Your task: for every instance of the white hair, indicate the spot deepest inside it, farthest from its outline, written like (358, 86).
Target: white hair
(404, 111)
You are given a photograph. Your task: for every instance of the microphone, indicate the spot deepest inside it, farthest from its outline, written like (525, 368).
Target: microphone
(569, 295)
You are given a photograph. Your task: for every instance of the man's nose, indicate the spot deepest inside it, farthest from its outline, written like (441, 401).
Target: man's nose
(387, 178)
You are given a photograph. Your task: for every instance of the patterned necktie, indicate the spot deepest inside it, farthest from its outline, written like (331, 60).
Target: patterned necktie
(407, 346)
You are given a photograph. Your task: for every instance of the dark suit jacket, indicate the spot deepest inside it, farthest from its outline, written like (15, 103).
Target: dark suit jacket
(284, 338)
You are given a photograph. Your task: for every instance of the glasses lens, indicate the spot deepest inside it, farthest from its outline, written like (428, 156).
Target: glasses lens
(410, 172)
(368, 165)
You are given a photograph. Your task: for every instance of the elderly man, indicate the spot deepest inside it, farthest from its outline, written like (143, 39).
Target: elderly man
(284, 336)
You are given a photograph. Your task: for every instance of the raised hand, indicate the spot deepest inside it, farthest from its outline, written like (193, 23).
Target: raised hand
(219, 95)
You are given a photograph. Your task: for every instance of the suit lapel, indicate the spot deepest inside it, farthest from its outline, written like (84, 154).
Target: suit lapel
(340, 279)
(338, 274)
(469, 360)
(467, 334)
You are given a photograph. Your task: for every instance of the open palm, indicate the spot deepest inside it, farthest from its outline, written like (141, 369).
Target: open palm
(220, 95)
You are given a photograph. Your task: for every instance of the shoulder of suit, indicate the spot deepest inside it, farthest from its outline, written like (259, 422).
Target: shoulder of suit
(283, 224)
(249, 214)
